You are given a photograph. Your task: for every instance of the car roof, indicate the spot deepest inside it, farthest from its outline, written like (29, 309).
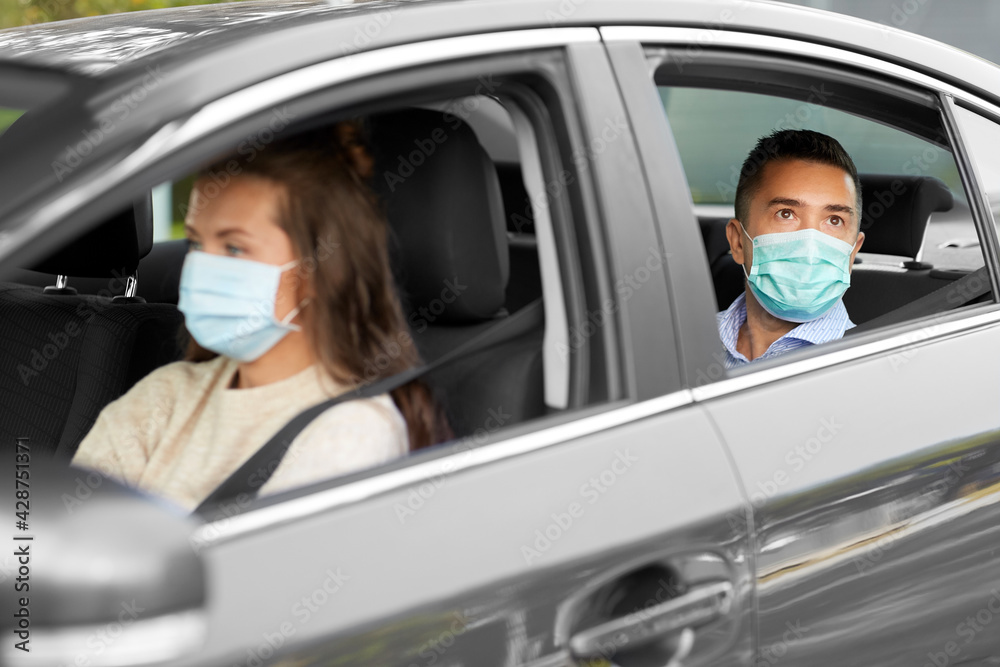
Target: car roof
(179, 60)
(99, 46)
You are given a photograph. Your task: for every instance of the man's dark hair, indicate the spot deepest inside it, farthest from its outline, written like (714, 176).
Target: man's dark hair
(792, 145)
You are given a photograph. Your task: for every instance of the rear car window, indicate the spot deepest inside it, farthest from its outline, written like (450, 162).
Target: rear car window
(713, 142)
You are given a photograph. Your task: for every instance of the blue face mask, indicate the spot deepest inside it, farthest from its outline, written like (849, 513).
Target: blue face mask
(228, 304)
(799, 276)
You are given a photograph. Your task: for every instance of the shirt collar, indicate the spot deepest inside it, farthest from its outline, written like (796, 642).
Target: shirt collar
(830, 326)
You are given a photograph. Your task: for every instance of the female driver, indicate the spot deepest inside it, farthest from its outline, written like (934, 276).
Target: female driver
(288, 296)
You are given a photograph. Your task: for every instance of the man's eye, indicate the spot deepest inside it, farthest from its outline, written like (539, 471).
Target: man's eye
(233, 250)
(836, 220)
(785, 214)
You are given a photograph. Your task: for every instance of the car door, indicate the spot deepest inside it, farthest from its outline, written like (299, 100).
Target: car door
(871, 465)
(586, 539)
(602, 531)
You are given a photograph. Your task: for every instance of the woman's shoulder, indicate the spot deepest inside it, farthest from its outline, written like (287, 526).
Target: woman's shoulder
(181, 375)
(368, 424)
(378, 412)
(350, 436)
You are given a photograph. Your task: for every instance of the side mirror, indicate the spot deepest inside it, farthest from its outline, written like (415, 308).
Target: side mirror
(93, 573)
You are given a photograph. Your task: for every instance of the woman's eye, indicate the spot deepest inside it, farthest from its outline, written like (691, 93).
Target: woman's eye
(233, 250)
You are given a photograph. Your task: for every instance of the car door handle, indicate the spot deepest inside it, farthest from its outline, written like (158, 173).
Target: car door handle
(695, 608)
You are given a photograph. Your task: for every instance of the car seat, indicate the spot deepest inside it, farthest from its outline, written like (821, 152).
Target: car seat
(896, 212)
(68, 354)
(451, 258)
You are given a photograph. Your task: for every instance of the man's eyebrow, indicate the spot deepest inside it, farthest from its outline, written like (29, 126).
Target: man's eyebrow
(786, 201)
(840, 208)
(783, 201)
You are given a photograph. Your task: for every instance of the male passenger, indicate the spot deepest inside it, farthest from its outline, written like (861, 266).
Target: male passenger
(796, 232)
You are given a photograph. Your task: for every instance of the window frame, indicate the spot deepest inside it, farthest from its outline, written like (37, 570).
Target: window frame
(176, 149)
(634, 41)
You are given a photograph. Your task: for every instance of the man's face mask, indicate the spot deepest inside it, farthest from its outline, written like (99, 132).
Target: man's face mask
(799, 276)
(228, 304)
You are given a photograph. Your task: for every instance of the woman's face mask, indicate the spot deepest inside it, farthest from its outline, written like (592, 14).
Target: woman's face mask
(228, 304)
(798, 276)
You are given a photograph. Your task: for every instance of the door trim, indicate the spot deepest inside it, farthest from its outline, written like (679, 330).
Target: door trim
(317, 502)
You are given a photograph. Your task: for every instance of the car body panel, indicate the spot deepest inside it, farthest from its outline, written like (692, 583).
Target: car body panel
(394, 566)
(875, 501)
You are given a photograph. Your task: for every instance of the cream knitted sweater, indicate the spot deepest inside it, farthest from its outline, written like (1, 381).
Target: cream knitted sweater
(181, 431)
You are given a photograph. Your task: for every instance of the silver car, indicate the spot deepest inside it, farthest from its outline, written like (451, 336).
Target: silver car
(613, 495)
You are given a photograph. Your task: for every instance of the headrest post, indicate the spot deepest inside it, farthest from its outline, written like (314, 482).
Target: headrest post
(61, 286)
(130, 285)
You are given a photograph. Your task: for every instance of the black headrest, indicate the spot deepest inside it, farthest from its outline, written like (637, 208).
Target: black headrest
(116, 245)
(444, 205)
(896, 211)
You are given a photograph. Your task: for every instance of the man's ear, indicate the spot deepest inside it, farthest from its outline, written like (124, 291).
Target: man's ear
(735, 237)
(857, 247)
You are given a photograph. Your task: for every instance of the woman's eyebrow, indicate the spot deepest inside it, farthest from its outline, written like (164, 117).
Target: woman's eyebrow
(228, 231)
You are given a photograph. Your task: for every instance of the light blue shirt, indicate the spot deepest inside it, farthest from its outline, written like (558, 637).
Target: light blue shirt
(831, 326)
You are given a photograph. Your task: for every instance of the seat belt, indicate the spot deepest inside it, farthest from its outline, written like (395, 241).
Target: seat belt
(252, 475)
(951, 296)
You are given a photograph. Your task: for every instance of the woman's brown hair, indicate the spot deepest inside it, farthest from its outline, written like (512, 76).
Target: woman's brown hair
(354, 318)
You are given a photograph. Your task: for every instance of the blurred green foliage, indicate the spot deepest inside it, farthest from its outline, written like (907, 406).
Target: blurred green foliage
(8, 116)
(26, 12)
